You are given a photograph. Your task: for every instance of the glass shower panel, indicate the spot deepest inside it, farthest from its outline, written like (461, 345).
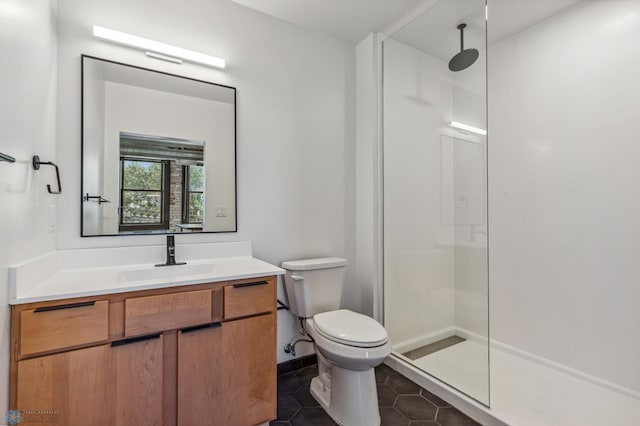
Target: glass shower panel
(435, 195)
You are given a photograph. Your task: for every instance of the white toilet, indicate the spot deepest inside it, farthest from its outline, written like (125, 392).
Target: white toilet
(348, 345)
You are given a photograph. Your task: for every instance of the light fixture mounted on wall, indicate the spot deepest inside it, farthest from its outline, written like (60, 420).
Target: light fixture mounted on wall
(157, 50)
(467, 128)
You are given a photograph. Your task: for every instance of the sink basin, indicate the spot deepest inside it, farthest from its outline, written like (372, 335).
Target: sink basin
(164, 272)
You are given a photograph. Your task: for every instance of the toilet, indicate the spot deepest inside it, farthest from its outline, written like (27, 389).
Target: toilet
(349, 345)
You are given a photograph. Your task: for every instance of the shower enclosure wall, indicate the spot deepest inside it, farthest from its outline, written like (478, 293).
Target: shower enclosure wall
(435, 196)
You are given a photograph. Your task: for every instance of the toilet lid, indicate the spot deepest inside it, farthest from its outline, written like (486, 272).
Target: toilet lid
(350, 328)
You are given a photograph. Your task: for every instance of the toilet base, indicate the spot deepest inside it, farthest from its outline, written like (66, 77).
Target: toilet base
(350, 398)
(321, 393)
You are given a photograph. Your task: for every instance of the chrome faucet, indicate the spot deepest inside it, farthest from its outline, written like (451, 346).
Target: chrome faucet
(171, 253)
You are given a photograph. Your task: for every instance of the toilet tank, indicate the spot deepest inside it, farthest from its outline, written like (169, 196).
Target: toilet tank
(314, 285)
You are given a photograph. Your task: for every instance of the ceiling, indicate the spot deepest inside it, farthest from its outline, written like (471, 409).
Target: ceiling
(509, 17)
(353, 20)
(434, 32)
(348, 20)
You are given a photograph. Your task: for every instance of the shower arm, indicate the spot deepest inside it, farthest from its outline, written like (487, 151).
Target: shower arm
(461, 27)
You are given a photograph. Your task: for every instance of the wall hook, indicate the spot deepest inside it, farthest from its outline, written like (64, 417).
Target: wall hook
(36, 166)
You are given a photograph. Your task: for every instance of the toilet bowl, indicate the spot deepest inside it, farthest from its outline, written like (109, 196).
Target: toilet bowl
(349, 339)
(349, 345)
(346, 383)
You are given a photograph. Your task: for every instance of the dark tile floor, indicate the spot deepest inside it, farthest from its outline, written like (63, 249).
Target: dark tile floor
(402, 402)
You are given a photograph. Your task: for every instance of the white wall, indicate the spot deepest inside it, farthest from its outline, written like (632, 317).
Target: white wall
(151, 112)
(27, 120)
(564, 206)
(295, 117)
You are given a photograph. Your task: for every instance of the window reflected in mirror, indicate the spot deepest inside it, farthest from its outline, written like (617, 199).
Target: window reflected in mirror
(161, 184)
(193, 177)
(143, 194)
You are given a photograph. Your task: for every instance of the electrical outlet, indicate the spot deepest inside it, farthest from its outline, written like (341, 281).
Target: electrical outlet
(221, 211)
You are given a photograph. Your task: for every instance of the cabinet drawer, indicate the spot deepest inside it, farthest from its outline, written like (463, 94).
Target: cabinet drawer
(151, 314)
(249, 297)
(70, 324)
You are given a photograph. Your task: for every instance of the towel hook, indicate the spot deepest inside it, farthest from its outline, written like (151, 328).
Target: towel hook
(36, 166)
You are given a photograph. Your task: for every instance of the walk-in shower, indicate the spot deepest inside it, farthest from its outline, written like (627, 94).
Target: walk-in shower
(435, 195)
(515, 173)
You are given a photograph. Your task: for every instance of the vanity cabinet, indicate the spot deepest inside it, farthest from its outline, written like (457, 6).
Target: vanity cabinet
(195, 355)
(232, 363)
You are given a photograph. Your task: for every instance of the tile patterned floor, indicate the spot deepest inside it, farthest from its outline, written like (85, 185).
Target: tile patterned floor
(402, 402)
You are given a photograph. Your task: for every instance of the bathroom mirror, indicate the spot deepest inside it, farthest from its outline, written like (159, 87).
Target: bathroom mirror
(158, 152)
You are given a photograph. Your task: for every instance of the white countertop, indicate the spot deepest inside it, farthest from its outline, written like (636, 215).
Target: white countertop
(60, 275)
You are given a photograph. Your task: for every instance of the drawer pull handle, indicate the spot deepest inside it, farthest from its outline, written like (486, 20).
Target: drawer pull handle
(67, 306)
(253, 284)
(200, 327)
(135, 340)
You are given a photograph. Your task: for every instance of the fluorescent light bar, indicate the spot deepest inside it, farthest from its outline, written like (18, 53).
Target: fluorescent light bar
(155, 46)
(468, 128)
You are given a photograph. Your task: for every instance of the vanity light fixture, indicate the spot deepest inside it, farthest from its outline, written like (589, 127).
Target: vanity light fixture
(466, 127)
(158, 50)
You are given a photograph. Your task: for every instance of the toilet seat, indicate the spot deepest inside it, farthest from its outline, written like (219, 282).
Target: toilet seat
(350, 328)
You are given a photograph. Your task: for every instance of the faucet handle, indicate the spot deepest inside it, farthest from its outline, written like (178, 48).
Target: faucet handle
(171, 253)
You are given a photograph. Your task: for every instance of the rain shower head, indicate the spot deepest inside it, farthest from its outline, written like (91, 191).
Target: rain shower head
(466, 57)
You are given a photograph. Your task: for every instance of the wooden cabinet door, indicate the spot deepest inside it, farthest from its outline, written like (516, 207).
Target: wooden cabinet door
(252, 365)
(227, 373)
(70, 388)
(202, 380)
(136, 381)
(97, 386)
